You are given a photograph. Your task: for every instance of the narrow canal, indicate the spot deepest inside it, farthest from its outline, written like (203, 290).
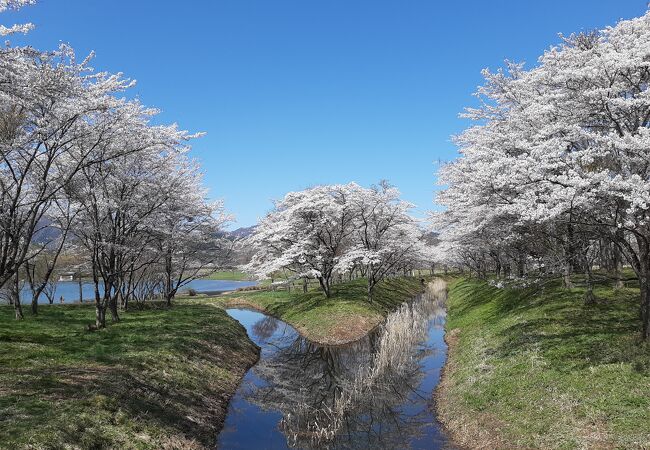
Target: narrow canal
(374, 393)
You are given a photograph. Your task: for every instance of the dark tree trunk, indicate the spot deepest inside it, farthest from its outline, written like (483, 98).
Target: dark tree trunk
(100, 312)
(15, 293)
(325, 285)
(35, 302)
(645, 310)
(521, 265)
(566, 276)
(641, 264)
(644, 282)
(618, 263)
(112, 306)
(371, 288)
(590, 298)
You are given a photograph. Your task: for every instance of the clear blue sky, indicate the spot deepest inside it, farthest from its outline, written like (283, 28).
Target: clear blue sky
(296, 93)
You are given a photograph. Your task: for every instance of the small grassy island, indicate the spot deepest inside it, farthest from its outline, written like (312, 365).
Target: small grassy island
(345, 317)
(545, 369)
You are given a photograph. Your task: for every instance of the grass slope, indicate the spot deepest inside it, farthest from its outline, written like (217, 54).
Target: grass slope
(544, 369)
(161, 378)
(230, 275)
(344, 317)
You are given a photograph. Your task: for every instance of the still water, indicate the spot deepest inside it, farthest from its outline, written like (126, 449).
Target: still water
(375, 393)
(69, 290)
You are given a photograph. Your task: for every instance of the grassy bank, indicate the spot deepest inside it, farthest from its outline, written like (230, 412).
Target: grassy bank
(229, 275)
(537, 368)
(159, 379)
(344, 317)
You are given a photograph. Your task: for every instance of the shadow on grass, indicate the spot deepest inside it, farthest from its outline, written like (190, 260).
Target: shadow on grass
(158, 371)
(558, 322)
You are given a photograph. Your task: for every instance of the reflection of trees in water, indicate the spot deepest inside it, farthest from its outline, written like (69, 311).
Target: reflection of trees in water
(264, 328)
(353, 396)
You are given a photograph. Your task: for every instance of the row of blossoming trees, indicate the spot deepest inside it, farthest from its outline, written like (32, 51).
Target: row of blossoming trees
(339, 231)
(555, 176)
(84, 170)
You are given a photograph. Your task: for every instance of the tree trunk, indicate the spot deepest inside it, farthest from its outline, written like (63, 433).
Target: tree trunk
(15, 293)
(371, 288)
(325, 285)
(112, 305)
(644, 282)
(100, 316)
(304, 285)
(100, 313)
(521, 265)
(125, 302)
(566, 275)
(645, 310)
(35, 303)
(590, 299)
(618, 267)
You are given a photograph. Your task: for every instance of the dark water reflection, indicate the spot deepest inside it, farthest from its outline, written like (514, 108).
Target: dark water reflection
(375, 393)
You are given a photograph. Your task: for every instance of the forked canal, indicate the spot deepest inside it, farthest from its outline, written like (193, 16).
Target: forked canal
(374, 393)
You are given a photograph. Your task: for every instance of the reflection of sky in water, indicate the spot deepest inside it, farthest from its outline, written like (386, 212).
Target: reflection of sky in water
(298, 379)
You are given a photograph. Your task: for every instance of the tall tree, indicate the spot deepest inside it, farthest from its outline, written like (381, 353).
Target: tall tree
(565, 145)
(306, 233)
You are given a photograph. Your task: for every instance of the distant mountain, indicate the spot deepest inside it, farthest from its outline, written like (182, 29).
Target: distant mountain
(242, 232)
(46, 233)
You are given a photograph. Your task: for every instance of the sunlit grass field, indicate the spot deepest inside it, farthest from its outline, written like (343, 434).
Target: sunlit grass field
(539, 368)
(229, 275)
(161, 377)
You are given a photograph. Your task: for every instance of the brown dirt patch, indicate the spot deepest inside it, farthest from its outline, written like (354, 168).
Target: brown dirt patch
(465, 431)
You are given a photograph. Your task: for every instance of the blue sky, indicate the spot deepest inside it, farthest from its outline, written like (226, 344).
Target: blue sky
(297, 93)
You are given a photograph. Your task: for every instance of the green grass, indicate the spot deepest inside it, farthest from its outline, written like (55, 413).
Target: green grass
(545, 369)
(345, 316)
(160, 377)
(230, 275)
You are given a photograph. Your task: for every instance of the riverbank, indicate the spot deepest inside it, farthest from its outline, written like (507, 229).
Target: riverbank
(161, 378)
(345, 317)
(537, 368)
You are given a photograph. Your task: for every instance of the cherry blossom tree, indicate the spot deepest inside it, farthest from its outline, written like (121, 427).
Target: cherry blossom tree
(189, 230)
(55, 117)
(120, 199)
(385, 238)
(563, 146)
(16, 28)
(306, 233)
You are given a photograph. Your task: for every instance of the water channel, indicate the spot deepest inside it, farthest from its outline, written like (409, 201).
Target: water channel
(374, 393)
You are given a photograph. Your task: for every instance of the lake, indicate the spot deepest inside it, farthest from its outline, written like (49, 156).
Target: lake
(70, 289)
